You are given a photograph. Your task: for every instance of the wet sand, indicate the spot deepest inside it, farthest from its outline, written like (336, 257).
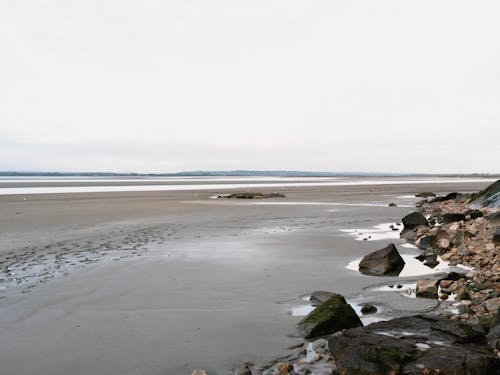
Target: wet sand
(166, 282)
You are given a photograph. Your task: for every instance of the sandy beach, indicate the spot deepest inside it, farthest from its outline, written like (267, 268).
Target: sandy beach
(164, 282)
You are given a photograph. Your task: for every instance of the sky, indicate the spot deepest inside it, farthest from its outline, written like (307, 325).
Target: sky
(164, 86)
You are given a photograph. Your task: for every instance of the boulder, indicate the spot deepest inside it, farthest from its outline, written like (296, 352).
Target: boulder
(489, 197)
(386, 261)
(452, 217)
(319, 296)
(331, 316)
(368, 309)
(413, 220)
(413, 345)
(425, 194)
(427, 288)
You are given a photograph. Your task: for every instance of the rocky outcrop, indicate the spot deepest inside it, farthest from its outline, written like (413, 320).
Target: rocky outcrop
(447, 197)
(413, 345)
(386, 261)
(253, 195)
(489, 197)
(331, 316)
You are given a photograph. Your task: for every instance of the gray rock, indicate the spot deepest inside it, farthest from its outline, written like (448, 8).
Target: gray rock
(329, 317)
(452, 217)
(386, 261)
(426, 242)
(393, 204)
(426, 194)
(413, 345)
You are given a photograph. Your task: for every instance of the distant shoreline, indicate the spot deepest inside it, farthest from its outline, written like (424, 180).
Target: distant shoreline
(240, 173)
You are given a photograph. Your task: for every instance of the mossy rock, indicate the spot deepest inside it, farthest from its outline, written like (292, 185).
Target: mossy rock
(331, 316)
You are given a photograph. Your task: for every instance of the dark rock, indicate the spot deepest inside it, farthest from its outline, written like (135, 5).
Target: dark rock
(426, 194)
(489, 197)
(426, 242)
(413, 345)
(386, 261)
(494, 332)
(409, 234)
(329, 317)
(454, 276)
(393, 204)
(447, 197)
(414, 220)
(431, 260)
(254, 195)
(368, 309)
(451, 218)
(319, 296)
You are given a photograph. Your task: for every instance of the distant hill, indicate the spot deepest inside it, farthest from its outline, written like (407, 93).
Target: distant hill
(236, 173)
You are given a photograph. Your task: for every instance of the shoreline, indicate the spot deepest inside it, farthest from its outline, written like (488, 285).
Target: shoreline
(239, 267)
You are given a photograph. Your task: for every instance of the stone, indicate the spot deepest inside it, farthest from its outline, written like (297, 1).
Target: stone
(418, 344)
(386, 261)
(413, 220)
(425, 242)
(329, 317)
(368, 309)
(431, 260)
(443, 243)
(392, 204)
(443, 296)
(425, 194)
(427, 288)
(452, 217)
(445, 283)
(319, 296)
(492, 304)
(473, 214)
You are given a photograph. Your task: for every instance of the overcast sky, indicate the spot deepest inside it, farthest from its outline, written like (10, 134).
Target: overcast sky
(164, 86)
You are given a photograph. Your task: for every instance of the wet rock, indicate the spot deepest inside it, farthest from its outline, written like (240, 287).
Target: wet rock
(426, 194)
(386, 261)
(393, 204)
(414, 220)
(452, 217)
(473, 214)
(427, 288)
(329, 317)
(413, 345)
(368, 309)
(431, 260)
(319, 296)
(453, 276)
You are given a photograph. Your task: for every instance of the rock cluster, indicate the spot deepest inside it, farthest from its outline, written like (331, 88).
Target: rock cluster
(462, 235)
